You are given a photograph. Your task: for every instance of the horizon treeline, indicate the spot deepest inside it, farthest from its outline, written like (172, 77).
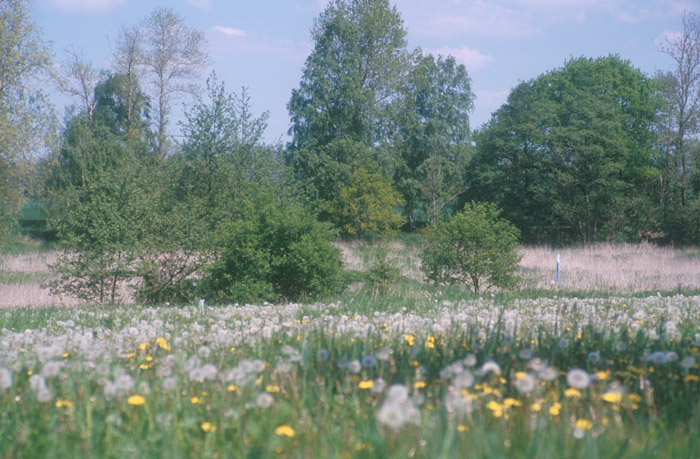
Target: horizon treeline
(594, 150)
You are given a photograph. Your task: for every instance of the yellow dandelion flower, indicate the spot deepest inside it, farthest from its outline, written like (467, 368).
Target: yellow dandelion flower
(520, 375)
(409, 339)
(692, 378)
(366, 384)
(131, 355)
(29, 372)
(144, 366)
(496, 408)
(259, 380)
(149, 358)
(143, 346)
(285, 431)
(584, 424)
(136, 400)
(162, 343)
(555, 409)
(512, 402)
(208, 427)
(195, 400)
(572, 393)
(430, 342)
(602, 375)
(612, 397)
(64, 404)
(536, 407)
(271, 388)
(66, 355)
(462, 428)
(233, 349)
(232, 388)
(420, 384)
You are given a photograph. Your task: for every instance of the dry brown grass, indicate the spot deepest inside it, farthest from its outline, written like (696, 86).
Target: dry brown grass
(610, 268)
(619, 268)
(623, 269)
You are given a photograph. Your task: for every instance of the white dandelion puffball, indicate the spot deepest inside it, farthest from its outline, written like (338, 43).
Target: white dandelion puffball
(578, 378)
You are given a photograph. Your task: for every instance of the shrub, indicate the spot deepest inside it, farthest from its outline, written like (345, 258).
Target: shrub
(475, 247)
(367, 204)
(383, 273)
(274, 252)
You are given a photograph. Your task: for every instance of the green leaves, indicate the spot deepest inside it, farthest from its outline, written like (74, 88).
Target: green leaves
(274, 252)
(475, 247)
(367, 204)
(569, 150)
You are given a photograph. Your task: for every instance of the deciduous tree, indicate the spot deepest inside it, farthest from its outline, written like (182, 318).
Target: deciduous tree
(26, 115)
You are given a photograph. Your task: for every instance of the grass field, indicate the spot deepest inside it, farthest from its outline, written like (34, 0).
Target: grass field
(586, 369)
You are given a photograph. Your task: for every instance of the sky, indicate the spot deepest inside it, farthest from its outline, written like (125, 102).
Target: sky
(263, 44)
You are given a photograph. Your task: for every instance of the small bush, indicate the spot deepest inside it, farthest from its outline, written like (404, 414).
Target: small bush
(383, 273)
(367, 204)
(272, 253)
(475, 247)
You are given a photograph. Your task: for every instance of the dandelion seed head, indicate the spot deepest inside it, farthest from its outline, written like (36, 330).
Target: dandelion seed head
(578, 378)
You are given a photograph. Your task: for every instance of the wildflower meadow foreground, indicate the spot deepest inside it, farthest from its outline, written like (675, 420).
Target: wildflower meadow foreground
(531, 378)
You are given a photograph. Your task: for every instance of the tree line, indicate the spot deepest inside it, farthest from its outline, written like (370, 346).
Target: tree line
(595, 150)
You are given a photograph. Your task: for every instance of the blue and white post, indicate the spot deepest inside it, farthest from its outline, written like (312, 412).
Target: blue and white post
(558, 258)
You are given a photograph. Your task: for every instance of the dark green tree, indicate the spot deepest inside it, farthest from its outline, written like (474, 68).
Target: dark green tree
(433, 137)
(569, 157)
(340, 110)
(274, 250)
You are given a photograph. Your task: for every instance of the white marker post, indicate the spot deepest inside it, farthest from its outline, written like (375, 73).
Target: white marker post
(558, 270)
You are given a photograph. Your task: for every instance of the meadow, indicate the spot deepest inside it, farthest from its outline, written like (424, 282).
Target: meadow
(606, 364)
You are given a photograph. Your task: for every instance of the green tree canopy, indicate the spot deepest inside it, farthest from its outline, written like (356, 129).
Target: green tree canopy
(350, 79)
(26, 116)
(433, 137)
(569, 157)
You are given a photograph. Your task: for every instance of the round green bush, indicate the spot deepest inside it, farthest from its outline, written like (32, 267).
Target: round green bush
(275, 252)
(475, 247)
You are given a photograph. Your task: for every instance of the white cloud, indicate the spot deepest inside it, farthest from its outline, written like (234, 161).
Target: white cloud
(86, 6)
(471, 58)
(492, 98)
(230, 32)
(200, 4)
(483, 19)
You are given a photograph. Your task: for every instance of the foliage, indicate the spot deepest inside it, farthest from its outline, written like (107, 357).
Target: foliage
(101, 231)
(26, 115)
(367, 204)
(433, 137)
(475, 247)
(273, 251)
(349, 80)
(678, 126)
(569, 156)
(383, 273)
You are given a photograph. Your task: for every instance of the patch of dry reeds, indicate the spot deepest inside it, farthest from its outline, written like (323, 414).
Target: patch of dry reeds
(617, 268)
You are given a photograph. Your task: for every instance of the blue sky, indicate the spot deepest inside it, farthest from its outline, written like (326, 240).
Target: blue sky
(262, 44)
